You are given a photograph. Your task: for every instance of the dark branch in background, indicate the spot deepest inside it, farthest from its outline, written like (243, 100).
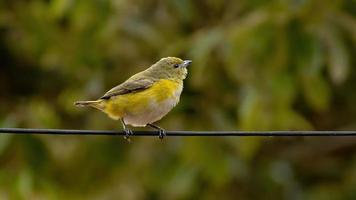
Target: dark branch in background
(177, 133)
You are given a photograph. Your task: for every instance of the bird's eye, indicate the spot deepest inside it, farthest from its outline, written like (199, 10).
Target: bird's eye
(176, 66)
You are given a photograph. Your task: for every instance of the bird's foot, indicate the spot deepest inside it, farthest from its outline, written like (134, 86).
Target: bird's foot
(161, 131)
(128, 133)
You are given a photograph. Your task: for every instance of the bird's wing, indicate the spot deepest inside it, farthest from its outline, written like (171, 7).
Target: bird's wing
(129, 86)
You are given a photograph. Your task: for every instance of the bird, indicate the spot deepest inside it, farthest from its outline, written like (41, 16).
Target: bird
(145, 97)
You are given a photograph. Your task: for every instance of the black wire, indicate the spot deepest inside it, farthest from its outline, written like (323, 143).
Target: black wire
(177, 133)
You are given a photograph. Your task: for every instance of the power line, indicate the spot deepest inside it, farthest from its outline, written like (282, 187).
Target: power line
(176, 133)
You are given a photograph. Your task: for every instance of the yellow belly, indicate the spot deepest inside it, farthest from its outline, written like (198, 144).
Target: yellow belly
(146, 106)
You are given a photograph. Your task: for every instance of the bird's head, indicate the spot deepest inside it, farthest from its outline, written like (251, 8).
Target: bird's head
(171, 67)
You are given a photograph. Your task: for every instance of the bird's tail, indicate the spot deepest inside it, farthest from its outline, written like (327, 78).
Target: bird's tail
(96, 104)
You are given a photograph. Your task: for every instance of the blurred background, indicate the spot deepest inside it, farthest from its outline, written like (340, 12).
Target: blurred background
(257, 65)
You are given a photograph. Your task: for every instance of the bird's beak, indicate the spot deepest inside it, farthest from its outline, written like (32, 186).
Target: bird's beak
(186, 63)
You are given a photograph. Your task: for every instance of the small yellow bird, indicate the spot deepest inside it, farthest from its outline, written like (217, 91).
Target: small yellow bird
(145, 97)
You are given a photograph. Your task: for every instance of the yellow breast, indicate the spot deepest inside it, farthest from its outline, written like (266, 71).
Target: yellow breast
(142, 102)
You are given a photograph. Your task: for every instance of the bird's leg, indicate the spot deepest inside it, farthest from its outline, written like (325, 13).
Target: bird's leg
(128, 132)
(161, 133)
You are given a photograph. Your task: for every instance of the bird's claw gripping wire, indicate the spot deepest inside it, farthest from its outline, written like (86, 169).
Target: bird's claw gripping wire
(128, 132)
(161, 131)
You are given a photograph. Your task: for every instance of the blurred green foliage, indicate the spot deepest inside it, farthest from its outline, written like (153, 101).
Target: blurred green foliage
(257, 65)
